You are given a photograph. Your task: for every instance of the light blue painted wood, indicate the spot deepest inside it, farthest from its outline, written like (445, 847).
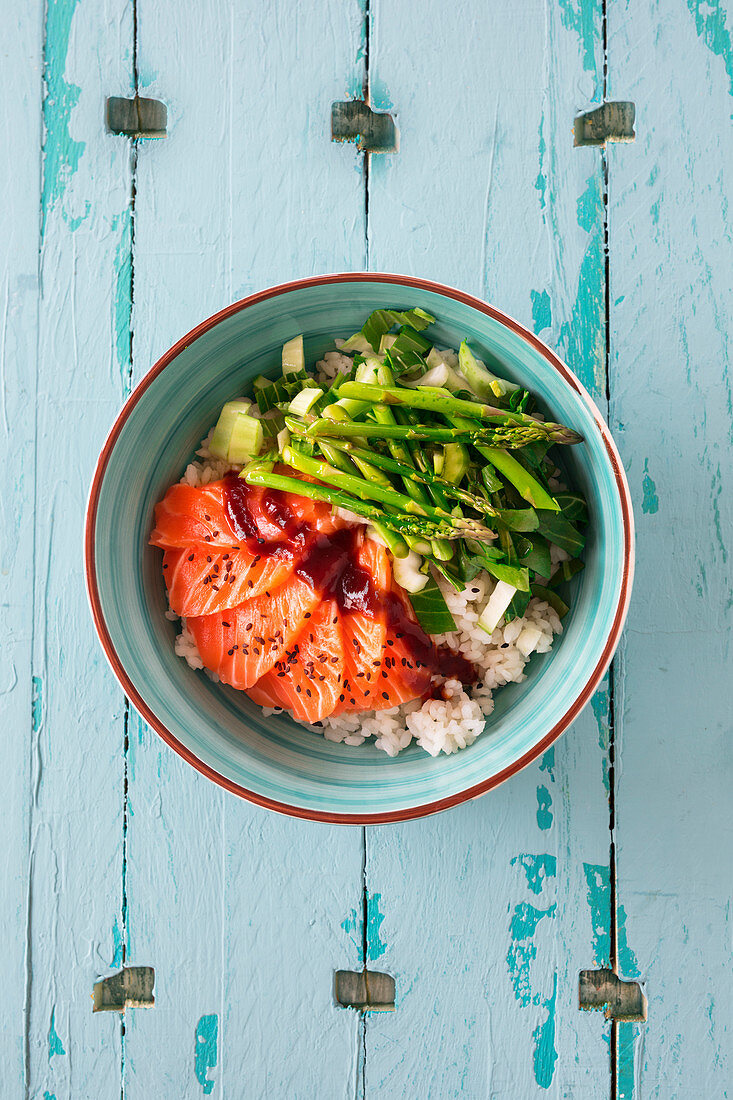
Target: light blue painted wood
(671, 304)
(20, 186)
(485, 915)
(244, 915)
(74, 799)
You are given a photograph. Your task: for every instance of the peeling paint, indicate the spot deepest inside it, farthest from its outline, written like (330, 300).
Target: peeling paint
(650, 501)
(547, 763)
(122, 307)
(580, 16)
(598, 881)
(55, 1045)
(544, 813)
(541, 310)
(206, 1051)
(541, 181)
(354, 928)
(626, 1069)
(61, 154)
(537, 869)
(710, 25)
(375, 944)
(627, 961)
(36, 703)
(545, 1054)
(583, 336)
(522, 950)
(599, 705)
(716, 489)
(117, 957)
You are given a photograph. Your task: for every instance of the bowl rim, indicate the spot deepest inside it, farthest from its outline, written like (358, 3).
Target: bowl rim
(477, 789)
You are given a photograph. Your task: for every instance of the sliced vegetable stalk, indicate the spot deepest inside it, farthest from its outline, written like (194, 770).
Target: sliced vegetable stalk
(293, 358)
(496, 607)
(483, 383)
(408, 575)
(237, 436)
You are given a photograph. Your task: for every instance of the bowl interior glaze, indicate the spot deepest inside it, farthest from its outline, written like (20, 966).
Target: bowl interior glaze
(272, 760)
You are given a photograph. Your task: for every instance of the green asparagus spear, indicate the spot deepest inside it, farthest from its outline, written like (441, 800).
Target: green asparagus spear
(433, 399)
(500, 435)
(256, 475)
(385, 462)
(367, 490)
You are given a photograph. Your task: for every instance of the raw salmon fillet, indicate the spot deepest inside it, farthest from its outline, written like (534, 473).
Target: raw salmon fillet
(204, 579)
(287, 602)
(243, 643)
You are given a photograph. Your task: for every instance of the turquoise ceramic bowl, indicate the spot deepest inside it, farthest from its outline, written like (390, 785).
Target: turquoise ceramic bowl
(273, 761)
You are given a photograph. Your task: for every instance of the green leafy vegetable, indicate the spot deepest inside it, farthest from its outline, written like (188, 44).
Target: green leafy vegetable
(431, 610)
(573, 506)
(556, 528)
(382, 320)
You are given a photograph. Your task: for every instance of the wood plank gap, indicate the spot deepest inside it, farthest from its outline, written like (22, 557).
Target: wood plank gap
(364, 945)
(365, 897)
(367, 154)
(128, 390)
(613, 939)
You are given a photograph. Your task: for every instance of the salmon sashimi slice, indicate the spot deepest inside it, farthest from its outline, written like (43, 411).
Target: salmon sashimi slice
(204, 579)
(365, 585)
(266, 693)
(243, 643)
(190, 515)
(310, 684)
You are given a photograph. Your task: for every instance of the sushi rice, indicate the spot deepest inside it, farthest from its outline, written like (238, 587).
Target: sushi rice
(437, 725)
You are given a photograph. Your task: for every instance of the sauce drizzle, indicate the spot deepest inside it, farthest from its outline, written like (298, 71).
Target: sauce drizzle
(329, 564)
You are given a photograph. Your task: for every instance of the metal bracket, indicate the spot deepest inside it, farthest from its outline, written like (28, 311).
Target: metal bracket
(132, 987)
(138, 117)
(609, 122)
(367, 990)
(373, 131)
(604, 989)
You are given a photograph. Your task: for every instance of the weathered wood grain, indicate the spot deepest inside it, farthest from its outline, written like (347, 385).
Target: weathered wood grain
(244, 915)
(75, 797)
(20, 129)
(671, 311)
(485, 915)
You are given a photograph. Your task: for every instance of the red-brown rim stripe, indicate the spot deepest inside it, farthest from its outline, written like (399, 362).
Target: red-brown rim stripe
(479, 788)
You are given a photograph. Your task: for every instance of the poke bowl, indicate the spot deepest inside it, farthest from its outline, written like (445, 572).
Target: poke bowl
(333, 770)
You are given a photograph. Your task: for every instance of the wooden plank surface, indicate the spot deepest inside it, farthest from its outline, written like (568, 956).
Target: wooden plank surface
(240, 911)
(671, 311)
(75, 794)
(20, 127)
(486, 914)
